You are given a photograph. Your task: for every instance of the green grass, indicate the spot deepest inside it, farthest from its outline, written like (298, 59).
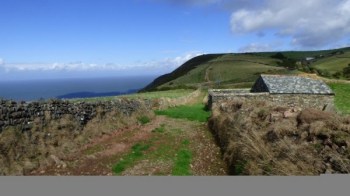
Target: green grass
(342, 96)
(160, 129)
(182, 163)
(183, 160)
(129, 159)
(147, 95)
(229, 67)
(195, 112)
(161, 94)
(333, 64)
(301, 54)
(144, 120)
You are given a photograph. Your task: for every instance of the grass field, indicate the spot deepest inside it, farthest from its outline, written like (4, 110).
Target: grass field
(334, 63)
(342, 96)
(158, 94)
(148, 95)
(195, 112)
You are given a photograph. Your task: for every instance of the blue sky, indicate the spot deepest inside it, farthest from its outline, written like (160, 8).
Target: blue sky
(86, 38)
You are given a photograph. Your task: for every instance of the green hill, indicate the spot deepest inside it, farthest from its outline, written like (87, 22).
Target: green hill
(242, 69)
(334, 63)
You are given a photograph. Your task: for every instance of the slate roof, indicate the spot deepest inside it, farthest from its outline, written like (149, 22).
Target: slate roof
(281, 84)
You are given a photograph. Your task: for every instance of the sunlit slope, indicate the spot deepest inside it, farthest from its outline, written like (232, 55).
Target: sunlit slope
(334, 63)
(225, 68)
(239, 68)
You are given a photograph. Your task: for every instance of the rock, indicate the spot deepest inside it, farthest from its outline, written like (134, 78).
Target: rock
(28, 166)
(91, 157)
(55, 159)
(329, 171)
(289, 114)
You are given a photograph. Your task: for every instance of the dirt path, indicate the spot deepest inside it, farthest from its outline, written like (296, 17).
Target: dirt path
(166, 140)
(206, 77)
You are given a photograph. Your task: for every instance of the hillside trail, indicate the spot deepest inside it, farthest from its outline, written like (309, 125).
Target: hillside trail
(166, 138)
(206, 77)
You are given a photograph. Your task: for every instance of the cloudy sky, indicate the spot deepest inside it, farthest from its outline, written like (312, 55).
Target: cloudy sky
(85, 38)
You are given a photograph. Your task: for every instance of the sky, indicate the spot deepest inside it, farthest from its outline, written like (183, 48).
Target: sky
(98, 38)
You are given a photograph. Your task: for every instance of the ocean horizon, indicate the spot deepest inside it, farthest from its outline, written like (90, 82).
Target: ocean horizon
(32, 90)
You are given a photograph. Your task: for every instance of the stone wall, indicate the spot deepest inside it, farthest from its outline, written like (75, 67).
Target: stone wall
(31, 133)
(321, 102)
(23, 114)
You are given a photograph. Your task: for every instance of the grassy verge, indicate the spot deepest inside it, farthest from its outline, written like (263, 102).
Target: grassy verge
(195, 112)
(342, 96)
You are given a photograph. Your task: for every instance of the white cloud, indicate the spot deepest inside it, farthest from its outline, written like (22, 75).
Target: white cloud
(192, 2)
(256, 47)
(309, 23)
(73, 66)
(2, 61)
(166, 64)
(169, 64)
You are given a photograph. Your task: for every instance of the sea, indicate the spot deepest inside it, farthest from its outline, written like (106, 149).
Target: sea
(33, 90)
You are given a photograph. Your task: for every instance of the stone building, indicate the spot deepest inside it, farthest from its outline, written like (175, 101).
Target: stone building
(281, 84)
(290, 91)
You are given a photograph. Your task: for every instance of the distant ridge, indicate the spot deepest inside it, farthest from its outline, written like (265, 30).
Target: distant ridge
(93, 94)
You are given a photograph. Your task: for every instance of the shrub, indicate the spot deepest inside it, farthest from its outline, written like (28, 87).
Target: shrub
(337, 74)
(346, 71)
(144, 120)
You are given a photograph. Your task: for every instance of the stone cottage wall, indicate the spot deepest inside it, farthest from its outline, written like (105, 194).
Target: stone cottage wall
(321, 102)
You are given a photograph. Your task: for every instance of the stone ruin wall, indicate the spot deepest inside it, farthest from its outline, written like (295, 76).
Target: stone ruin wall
(321, 102)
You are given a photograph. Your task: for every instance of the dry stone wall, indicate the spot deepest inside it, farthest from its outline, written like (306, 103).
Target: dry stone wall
(32, 133)
(23, 114)
(321, 102)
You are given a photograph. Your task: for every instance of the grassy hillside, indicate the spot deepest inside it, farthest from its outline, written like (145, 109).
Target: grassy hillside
(334, 63)
(219, 70)
(302, 54)
(182, 70)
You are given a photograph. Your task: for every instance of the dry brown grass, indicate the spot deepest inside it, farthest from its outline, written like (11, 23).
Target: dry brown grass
(259, 139)
(21, 152)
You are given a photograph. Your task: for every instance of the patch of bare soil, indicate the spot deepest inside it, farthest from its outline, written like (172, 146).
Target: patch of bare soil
(98, 157)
